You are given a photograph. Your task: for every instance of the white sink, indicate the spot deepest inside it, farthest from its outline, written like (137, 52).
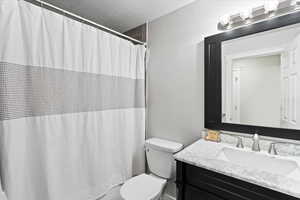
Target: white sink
(258, 161)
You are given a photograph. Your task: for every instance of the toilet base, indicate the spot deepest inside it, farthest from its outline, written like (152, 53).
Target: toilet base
(143, 187)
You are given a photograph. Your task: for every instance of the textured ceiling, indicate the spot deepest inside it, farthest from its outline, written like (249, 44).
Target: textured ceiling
(120, 15)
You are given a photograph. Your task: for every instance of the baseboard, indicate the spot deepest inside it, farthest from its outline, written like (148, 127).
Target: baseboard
(168, 197)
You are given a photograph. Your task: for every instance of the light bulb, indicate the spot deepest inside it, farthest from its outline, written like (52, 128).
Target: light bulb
(224, 20)
(271, 5)
(284, 4)
(258, 11)
(247, 13)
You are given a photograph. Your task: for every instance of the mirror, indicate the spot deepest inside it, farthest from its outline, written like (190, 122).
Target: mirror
(260, 79)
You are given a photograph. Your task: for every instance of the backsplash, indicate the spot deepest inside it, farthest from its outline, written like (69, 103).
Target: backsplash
(284, 147)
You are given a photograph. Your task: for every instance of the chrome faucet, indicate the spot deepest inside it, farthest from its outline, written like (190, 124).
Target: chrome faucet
(255, 146)
(240, 142)
(272, 149)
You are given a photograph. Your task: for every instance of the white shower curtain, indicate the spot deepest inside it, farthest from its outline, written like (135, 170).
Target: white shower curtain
(72, 112)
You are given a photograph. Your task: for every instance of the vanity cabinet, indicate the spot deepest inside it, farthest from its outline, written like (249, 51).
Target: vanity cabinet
(195, 183)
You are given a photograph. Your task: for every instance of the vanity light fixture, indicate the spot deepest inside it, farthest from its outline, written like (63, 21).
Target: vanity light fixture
(258, 11)
(284, 4)
(271, 9)
(237, 18)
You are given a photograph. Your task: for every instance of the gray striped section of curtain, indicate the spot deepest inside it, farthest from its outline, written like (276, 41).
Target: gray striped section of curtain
(28, 91)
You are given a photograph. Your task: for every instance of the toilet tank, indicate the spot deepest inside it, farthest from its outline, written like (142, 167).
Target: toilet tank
(159, 155)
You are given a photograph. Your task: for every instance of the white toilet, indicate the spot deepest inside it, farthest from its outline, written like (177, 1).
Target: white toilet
(160, 160)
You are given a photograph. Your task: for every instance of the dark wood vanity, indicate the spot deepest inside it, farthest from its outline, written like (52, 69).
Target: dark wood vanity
(195, 183)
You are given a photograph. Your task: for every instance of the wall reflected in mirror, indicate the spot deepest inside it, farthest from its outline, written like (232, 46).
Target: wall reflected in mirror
(260, 79)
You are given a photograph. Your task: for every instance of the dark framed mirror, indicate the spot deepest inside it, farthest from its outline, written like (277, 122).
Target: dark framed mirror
(252, 78)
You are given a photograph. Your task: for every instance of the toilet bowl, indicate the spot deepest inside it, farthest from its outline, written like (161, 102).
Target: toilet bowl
(143, 187)
(159, 154)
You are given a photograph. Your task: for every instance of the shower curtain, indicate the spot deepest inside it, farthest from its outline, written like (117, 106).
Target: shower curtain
(72, 111)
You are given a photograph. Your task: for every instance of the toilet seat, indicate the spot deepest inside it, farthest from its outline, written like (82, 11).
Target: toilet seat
(142, 187)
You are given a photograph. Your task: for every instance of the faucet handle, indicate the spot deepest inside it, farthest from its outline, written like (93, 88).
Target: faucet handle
(272, 149)
(256, 146)
(240, 143)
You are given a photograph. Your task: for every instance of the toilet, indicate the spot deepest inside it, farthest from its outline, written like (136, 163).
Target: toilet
(161, 164)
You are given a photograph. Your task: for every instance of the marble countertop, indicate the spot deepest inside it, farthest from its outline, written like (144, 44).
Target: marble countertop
(205, 154)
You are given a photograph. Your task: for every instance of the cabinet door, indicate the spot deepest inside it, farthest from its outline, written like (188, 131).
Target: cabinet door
(192, 193)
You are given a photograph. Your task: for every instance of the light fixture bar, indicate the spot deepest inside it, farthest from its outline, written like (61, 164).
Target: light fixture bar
(270, 10)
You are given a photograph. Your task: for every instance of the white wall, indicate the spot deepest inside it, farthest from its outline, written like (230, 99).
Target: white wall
(176, 68)
(260, 93)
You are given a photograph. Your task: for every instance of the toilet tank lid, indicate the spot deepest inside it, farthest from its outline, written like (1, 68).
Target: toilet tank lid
(164, 145)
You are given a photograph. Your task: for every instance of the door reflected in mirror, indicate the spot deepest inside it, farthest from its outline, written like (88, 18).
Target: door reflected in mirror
(260, 77)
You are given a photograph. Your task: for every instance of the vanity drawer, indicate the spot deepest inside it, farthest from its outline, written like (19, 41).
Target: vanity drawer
(218, 188)
(224, 186)
(192, 193)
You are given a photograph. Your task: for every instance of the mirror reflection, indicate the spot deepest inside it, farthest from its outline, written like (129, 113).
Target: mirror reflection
(260, 77)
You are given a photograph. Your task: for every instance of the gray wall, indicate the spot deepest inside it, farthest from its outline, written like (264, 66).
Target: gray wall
(176, 67)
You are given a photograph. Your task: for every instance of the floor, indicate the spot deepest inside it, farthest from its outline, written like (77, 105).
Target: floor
(114, 194)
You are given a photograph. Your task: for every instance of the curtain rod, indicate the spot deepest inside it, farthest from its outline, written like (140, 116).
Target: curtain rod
(104, 28)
